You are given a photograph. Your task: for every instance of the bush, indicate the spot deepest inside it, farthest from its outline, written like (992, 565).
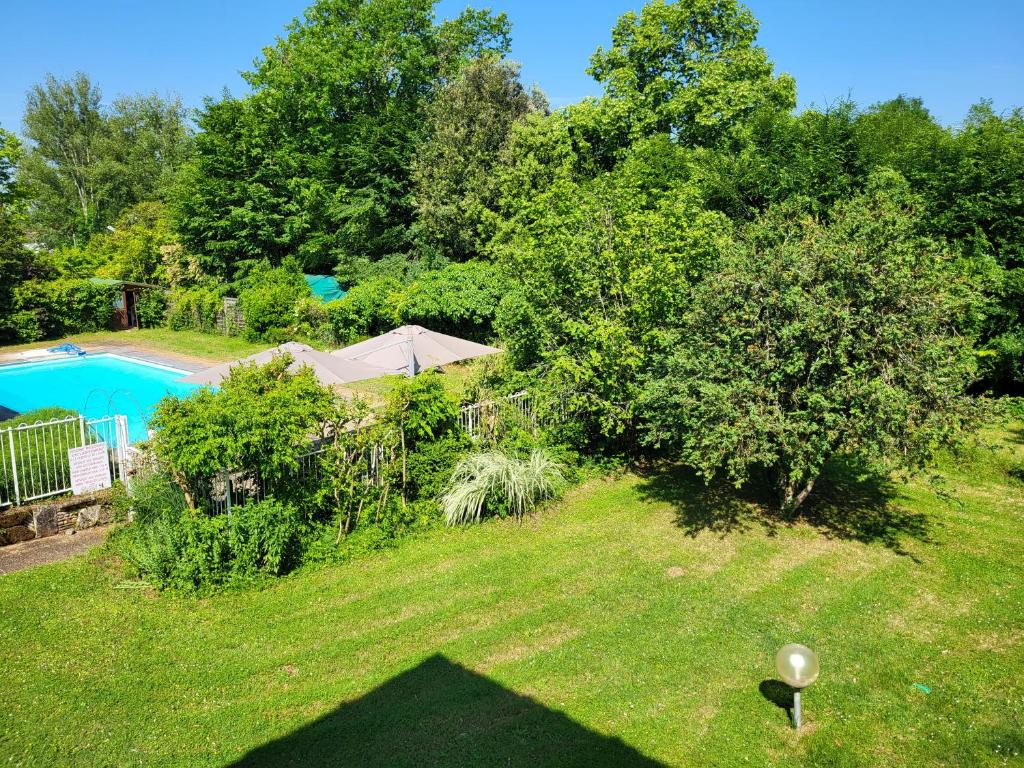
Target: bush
(173, 548)
(151, 308)
(54, 308)
(269, 303)
(460, 299)
(367, 310)
(193, 308)
(495, 483)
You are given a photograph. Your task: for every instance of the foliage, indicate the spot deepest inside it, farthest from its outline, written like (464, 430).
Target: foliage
(52, 308)
(605, 266)
(259, 422)
(368, 309)
(194, 308)
(459, 300)
(86, 164)
(174, 548)
(269, 300)
(688, 68)
(468, 125)
(422, 408)
(492, 482)
(315, 162)
(15, 259)
(811, 341)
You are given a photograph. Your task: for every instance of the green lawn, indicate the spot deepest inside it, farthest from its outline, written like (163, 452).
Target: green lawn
(633, 624)
(207, 346)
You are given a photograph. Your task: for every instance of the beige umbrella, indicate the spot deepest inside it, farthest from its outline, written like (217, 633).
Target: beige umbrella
(330, 371)
(410, 349)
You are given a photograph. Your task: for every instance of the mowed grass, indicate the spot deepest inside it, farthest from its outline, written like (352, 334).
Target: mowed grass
(632, 624)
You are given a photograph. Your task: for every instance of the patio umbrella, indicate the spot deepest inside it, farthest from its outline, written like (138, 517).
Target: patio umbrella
(330, 371)
(410, 349)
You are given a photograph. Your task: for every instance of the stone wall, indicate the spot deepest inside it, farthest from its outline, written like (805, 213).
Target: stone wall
(52, 516)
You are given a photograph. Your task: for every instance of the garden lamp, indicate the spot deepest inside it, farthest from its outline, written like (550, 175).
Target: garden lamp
(797, 665)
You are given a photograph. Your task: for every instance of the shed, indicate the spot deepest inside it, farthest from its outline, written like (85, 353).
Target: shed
(126, 303)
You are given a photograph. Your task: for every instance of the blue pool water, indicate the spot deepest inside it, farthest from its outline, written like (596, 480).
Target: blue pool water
(94, 385)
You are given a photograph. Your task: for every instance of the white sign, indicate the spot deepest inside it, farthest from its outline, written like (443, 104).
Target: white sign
(90, 468)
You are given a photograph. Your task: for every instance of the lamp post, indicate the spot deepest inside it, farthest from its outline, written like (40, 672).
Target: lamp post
(797, 665)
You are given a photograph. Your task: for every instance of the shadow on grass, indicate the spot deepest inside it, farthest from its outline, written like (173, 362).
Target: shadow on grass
(441, 714)
(779, 694)
(850, 501)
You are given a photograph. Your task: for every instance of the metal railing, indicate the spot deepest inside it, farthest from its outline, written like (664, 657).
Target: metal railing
(34, 460)
(477, 419)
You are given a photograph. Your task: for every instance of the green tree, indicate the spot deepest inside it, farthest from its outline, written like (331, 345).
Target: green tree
(689, 68)
(86, 164)
(15, 258)
(316, 161)
(811, 341)
(468, 125)
(604, 266)
(259, 422)
(460, 300)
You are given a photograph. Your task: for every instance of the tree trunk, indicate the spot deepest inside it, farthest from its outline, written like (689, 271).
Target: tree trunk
(794, 498)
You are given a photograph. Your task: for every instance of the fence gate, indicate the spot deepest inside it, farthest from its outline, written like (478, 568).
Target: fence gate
(34, 457)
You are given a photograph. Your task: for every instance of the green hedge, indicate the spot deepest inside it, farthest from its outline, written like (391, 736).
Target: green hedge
(53, 308)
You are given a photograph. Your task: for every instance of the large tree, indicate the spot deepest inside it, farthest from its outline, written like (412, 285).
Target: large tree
(690, 68)
(468, 125)
(316, 161)
(85, 163)
(602, 267)
(15, 258)
(811, 341)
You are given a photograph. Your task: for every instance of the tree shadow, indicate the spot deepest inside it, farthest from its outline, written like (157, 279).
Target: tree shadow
(850, 501)
(441, 714)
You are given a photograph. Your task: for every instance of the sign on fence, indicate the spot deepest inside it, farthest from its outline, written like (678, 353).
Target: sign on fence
(90, 468)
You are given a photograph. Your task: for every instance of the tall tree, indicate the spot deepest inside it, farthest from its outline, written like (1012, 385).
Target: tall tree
(15, 258)
(468, 126)
(689, 68)
(811, 341)
(316, 161)
(64, 124)
(86, 164)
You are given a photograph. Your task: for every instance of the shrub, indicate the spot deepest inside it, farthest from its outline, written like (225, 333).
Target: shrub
(421, 408)
(151, 308)
(460, 299)
(493, 482)
(171, 547)
(258, 422)
(269, 302)
(367, 310)
(53, 308)
(193, 308)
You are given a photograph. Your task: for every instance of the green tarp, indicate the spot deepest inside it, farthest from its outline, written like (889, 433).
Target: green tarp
(325, 287)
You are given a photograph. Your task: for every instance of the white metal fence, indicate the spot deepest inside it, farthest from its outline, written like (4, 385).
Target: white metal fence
(477, 418)
(235, 488)
(34, 457)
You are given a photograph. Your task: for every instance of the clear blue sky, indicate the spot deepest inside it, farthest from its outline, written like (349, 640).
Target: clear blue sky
(949, 52)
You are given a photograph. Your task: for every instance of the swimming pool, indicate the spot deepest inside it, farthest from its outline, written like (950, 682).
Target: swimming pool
(93, 385)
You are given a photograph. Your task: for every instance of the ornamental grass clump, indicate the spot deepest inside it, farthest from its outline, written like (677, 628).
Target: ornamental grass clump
(493, 482)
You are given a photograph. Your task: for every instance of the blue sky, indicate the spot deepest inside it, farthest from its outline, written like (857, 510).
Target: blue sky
(950, 53)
